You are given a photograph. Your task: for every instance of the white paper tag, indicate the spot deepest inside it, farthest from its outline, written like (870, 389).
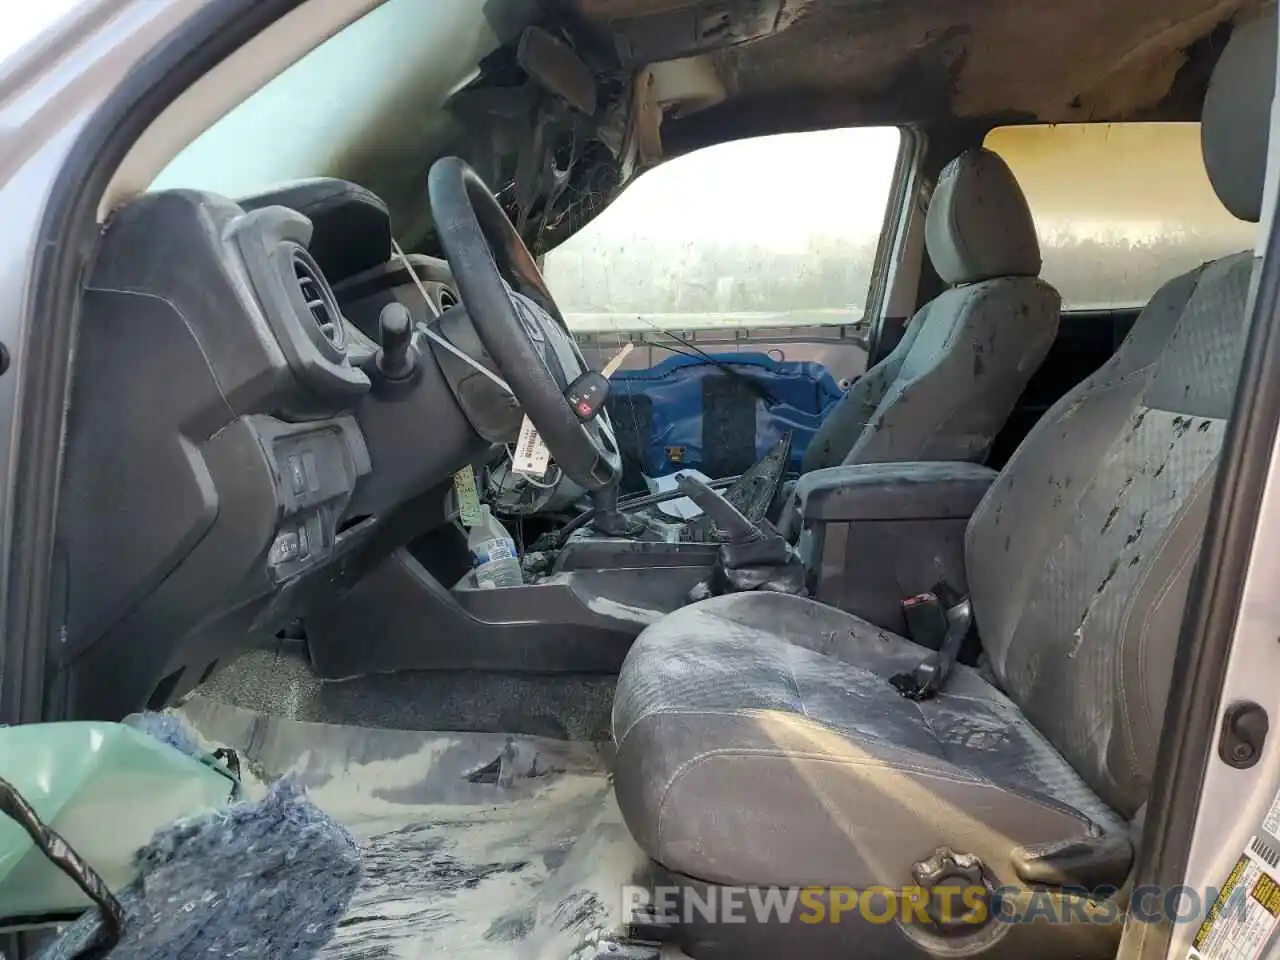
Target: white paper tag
(532, 457)
(612, 366)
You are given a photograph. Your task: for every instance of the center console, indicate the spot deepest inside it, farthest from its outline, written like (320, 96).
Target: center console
(870, 535)
(580, 617)
(867, 536)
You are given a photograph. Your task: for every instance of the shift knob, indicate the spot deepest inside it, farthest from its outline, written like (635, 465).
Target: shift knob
(396, 359)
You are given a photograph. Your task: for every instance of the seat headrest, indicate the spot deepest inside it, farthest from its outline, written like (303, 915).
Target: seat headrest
(1235, 121)
(979, 225)
(352, 226)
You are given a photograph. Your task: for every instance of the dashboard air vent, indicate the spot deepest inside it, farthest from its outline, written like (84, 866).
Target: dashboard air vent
(324, 312)
(447, 299)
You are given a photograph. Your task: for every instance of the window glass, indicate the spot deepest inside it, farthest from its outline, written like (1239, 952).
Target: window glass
(1121, 208)
(774, 231)
(372, 93)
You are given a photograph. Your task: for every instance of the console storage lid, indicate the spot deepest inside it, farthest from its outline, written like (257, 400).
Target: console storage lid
(872, 534)
(892, 491)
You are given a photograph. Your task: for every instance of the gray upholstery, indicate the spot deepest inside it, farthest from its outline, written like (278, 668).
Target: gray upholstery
(888, 491)
(759, 741)
(1078, 560)
(979, 226)
(1234, 121)
(1080, 556)
(783, 704)
(949, 385)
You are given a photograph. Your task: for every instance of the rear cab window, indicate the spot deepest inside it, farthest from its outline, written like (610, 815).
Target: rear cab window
(1121, 208)
(778, 231)
(741, 275)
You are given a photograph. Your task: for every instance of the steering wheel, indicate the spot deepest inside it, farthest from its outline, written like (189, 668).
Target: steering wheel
(518, 322)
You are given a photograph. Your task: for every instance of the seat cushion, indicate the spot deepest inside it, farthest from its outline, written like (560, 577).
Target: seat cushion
(771, 717)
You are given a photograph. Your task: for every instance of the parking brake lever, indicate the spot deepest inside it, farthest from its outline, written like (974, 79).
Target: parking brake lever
(756, 556)
(723, 514)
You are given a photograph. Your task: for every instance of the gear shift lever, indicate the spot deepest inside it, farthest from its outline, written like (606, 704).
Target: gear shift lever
(395, 368)
(397, 360)
(608, 519)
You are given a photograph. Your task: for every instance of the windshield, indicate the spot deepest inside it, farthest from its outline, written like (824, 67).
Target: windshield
(366, 105)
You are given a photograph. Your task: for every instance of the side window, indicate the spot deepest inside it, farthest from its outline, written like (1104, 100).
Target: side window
(770, 232)
(1121, 208)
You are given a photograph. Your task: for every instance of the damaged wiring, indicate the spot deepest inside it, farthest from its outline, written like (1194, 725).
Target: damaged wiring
(61, 854)
(556, 471)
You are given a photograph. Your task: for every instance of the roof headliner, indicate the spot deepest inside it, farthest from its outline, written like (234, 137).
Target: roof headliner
(811, 63)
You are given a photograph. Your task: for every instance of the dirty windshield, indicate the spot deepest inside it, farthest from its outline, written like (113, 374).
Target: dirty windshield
(364, 105)
(767, 232)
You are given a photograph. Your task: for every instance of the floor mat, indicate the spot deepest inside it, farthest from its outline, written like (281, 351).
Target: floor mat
(474, 844)
(279, 681)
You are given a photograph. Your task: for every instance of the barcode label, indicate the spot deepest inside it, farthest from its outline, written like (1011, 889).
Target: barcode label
(532, 456)
(1264, 852)
(1271, 822)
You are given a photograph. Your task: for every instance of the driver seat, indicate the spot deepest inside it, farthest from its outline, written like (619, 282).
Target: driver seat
(760, 743)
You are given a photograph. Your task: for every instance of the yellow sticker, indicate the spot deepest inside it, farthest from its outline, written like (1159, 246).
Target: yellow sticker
(1242, 923)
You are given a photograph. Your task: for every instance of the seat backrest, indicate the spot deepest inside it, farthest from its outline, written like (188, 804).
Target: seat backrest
(1080, 557)
(949, 385)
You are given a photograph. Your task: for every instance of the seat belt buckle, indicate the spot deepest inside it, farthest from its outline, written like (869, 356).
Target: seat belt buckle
(926, 618)
(931, 674)
(921, 683)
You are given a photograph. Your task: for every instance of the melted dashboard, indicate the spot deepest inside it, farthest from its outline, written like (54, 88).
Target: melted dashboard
(227, 460)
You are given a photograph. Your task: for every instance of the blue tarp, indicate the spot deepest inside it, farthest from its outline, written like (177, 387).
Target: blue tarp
(805, 393)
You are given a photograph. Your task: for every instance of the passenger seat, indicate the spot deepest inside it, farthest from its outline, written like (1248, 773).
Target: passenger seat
(761, 741)
(948, 387)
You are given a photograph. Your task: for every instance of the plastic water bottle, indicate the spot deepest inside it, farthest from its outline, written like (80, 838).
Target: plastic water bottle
(493, 553)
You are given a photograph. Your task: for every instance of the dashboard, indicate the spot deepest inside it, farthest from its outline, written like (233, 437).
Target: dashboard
(229, 454)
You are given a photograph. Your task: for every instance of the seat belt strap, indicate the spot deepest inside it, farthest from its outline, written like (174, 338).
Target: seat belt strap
(931, 674)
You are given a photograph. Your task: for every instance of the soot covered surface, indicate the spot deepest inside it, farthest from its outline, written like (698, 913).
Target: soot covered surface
(473, 844)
